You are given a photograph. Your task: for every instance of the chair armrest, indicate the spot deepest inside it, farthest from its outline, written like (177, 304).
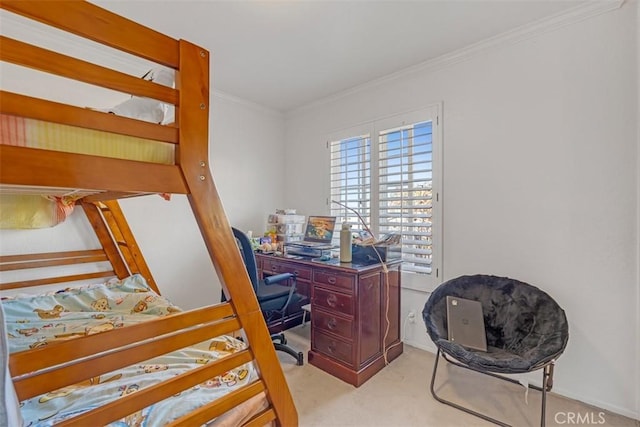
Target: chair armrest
(277, 278)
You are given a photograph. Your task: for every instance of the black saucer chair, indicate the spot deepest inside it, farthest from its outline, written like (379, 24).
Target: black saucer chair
(526, 331)
(274, 299)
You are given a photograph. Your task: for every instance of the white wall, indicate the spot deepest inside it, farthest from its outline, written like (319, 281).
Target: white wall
(540, 181)
(247, 160)
(245, 152)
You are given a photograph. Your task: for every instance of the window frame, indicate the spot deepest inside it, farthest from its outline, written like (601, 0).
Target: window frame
(424, 282)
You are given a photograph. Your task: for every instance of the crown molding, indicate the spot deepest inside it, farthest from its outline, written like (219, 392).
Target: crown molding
(517, 35)
(218, 94)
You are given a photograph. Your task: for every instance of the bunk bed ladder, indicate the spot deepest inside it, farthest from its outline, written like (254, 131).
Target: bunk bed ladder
(112, 229)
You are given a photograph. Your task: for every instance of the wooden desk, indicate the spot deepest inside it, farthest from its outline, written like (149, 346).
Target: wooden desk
(349, 314)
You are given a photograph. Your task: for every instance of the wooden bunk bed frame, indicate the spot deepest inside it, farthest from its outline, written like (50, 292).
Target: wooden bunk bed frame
(48, 368)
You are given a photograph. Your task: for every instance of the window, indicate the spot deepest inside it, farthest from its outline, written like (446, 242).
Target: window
(393, 181)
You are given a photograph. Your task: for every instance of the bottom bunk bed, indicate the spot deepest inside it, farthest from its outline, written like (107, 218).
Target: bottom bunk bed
(114, 351)
(48, 321)
(42, 320)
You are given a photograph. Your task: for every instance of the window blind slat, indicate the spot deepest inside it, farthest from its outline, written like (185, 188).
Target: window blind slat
(405, 222)
(418, 151)
(416, 269)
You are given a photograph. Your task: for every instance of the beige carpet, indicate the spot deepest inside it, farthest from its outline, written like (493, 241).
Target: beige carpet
(399, 396)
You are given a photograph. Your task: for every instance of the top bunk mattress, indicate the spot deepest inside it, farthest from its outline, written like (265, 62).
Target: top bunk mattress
(26, 132)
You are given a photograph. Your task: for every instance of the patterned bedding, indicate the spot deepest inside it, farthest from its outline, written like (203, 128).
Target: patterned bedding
(33, 321)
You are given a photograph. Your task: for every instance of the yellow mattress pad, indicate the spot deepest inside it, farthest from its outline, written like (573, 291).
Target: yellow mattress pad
(25, 132)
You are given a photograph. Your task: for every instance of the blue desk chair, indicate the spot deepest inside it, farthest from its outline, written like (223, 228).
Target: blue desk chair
(274, 299)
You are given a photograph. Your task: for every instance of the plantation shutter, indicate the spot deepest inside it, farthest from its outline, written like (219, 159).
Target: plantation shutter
(351, 180)
(406, 191)
(390, 172)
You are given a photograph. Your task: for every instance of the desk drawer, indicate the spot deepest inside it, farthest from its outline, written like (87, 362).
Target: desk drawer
(332, 323)
(328, 277)
(333, 347)
(270, 266)
(333, 301)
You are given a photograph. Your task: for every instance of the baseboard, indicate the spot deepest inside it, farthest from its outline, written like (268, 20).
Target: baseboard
(430, 347)
(598, 404)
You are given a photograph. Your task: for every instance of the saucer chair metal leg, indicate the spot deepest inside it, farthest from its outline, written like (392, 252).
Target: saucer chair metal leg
(547, 384)
(544, 396)
(455, 405)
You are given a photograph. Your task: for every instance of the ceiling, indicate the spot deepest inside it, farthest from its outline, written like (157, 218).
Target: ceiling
(286, 54)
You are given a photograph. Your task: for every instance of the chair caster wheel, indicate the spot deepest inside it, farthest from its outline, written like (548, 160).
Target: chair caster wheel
(300, 358)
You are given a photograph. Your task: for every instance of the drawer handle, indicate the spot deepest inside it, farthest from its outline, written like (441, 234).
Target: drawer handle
(332, 323)
(332, 280)
(274, 268)
(331, 347)
(332, 299)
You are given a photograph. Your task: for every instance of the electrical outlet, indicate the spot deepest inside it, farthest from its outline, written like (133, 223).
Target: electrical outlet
(412, 317)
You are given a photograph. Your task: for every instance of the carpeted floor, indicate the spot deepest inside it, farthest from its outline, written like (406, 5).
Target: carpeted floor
(399, 396)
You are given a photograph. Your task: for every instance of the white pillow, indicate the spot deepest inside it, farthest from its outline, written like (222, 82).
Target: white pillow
(147, 109)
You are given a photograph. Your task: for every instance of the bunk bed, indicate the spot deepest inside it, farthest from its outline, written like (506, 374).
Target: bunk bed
(73, 360)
